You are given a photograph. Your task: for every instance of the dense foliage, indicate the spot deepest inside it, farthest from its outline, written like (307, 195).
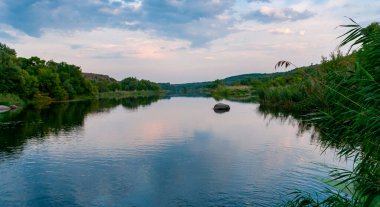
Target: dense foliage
(104, 83)
(133, 84)
(34, 78)
(31, 77)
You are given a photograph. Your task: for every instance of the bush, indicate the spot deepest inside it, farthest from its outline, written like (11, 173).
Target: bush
(10, 99)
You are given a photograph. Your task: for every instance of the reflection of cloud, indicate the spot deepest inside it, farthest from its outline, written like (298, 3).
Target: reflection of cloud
(158, 125)
(152, 130)
(193, 121)
(173, 149)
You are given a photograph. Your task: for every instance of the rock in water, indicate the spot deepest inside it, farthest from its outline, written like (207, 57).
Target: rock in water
(221, 107)
(4, 108)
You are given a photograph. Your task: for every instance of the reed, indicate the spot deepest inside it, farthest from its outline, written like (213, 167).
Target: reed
(341, 99)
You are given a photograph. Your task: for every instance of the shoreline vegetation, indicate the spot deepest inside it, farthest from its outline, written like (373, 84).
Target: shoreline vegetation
(339, 98)
(341, 101)
(12, 99)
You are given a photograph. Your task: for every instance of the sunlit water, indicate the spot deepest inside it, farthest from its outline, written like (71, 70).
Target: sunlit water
(174, 152)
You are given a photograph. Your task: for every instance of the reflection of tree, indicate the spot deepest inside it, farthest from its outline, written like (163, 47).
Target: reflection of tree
(36, 123)
(135, 102)
(299, 119)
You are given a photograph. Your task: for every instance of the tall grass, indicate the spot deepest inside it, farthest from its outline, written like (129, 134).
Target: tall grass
(342, 98)
(351, 120)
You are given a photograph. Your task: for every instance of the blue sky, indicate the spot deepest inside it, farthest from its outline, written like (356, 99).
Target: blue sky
(179, 40)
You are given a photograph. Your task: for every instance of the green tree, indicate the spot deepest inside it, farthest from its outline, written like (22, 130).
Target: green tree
(129, 84)
(11, 77)
(50, 84)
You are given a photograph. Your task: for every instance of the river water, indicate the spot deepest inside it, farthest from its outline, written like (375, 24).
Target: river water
(155, 152)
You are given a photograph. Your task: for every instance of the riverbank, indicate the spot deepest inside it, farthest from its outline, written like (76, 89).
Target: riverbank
(239, 93)
(128, 94)
(40, 100)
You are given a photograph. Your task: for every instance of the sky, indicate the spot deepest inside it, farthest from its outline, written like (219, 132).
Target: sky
(179, 41)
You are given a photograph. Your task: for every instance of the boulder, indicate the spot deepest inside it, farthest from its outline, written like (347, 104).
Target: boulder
(4, 108)
(221, 107)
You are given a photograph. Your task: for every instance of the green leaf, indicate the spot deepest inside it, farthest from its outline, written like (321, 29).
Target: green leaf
(375, 202)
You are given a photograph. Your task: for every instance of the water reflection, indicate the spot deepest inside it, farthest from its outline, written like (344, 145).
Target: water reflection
(176, 152)
(300, 120)
(36, 123)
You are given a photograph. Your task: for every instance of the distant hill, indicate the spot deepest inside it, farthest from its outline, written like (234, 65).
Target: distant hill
(228, 81)
(185, 87)
(98, 77)
(237, 79)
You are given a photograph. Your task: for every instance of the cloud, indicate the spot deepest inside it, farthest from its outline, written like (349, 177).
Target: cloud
(112, 55)
(286, 31)
(8, 33)
(282, 31)
(176, 40)
(76, 46)
(198, 22)
(176, 19)
(269, 15)
(4, 35)
(33, 16)
(265, 1)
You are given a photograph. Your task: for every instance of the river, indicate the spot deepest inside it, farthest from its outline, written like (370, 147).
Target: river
(156, 152)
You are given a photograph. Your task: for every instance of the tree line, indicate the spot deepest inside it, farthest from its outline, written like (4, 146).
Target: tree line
(34, 77)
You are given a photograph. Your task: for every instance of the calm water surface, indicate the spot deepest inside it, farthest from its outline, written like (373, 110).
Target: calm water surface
(150, 152)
